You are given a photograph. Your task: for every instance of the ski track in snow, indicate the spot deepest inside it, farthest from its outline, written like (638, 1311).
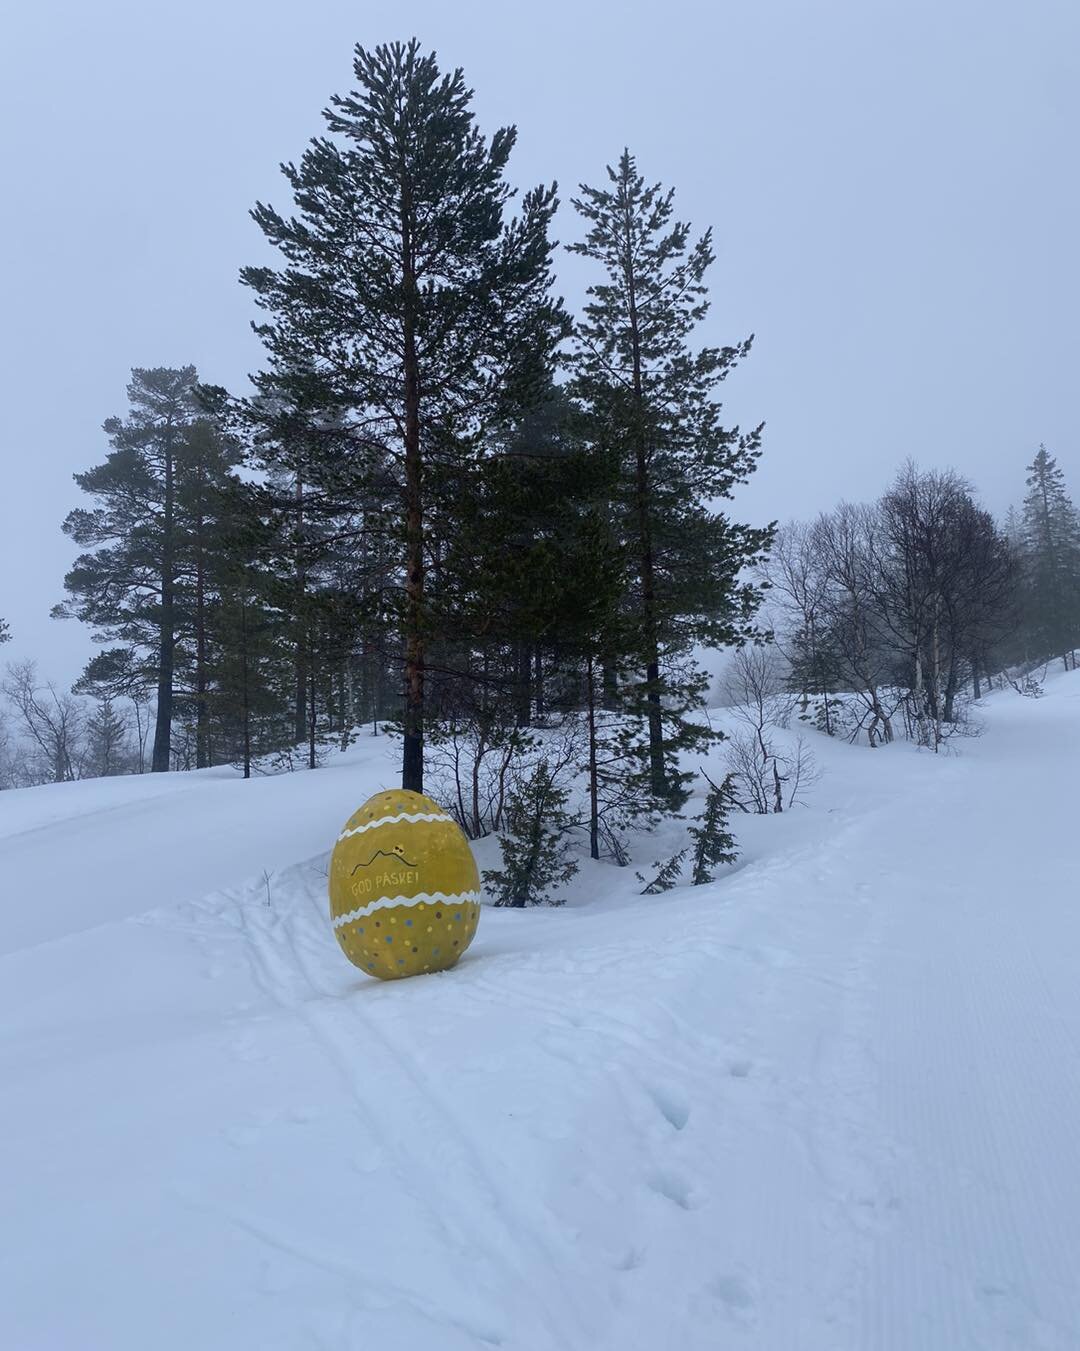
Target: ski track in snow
(831, 1103)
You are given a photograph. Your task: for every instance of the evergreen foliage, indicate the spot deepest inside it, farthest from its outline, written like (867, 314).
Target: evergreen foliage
(713, 842)
(814, 672)
(666, 875)
(1050, 541)
(108, 749)
(248, 702)
(142, 580)
(412, 518)
(410, 310)
(651, 397)
(535, 855)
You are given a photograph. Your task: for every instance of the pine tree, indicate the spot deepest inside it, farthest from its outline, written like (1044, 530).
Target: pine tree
(652, 400)
(714, 843)
(535, 855)
(326, 505)
(5, 632)
(142, 581)
(247, 696)
(1051, 557)
(207, 498)
(508, 557)
(410, 307)
(666, 874)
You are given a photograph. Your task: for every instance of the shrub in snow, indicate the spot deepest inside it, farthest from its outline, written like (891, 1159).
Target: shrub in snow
(534, 851)
(714, 843)
(666, 876)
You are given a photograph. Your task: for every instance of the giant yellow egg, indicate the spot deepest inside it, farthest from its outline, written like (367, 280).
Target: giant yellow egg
(404, 890)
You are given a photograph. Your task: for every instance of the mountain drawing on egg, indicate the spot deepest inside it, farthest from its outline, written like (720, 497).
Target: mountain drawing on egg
(404, 889)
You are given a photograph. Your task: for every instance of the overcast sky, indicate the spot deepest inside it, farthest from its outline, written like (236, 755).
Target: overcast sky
(893, 188)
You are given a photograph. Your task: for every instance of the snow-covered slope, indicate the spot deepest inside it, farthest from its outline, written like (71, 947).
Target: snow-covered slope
(830, 1103)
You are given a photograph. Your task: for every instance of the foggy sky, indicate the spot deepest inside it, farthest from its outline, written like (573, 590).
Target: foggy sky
(893, 188)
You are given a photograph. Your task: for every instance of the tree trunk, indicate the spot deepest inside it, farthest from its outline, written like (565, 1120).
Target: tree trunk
(412, 754)
(952, 680)
(594, 793)
(300, 658)
(523, 685)
(609, 685)
(166, 649)
(245, 701)
(650, 638)
(474, 784)
(202, 710)
(312, 728)
(347, 691)
(937, 684)
(374, 680)
(538, 683)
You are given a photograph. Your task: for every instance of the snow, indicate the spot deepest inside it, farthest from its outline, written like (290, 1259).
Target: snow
(831, 1102)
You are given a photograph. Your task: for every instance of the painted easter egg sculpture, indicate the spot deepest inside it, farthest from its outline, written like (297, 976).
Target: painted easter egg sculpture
(404, 890)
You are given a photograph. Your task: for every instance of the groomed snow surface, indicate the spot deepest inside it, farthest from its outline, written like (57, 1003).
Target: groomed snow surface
(829, 1103)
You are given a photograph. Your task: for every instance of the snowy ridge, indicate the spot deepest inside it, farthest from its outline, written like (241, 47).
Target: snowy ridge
(422, 898)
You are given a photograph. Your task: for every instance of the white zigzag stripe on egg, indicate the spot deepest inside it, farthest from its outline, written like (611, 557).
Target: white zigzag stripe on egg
(393, 820)
(424, 898)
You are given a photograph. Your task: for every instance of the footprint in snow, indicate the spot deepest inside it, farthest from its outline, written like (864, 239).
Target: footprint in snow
(734, 1294)
(674, 1188)
(671, 1105)
(727, 1295)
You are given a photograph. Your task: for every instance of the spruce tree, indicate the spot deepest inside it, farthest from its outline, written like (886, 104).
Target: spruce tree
(409, 306)
(1051, 557)
(108, 747)
(814, 671)
(117, 673)
(713, 843)
(535, 856)
(652, 397)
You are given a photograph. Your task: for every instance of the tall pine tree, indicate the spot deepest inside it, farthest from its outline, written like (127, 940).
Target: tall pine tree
(414, 309)
(127, 587)
(652, 395)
